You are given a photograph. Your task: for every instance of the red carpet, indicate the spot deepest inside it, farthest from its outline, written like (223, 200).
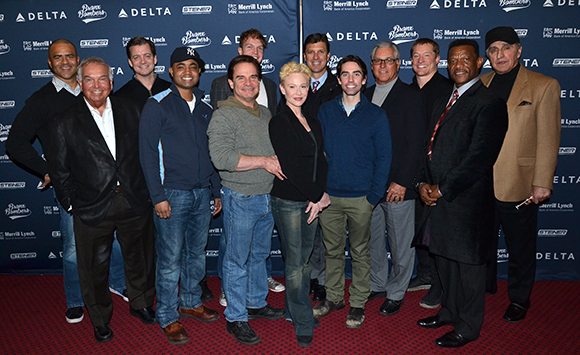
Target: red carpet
(33, 322)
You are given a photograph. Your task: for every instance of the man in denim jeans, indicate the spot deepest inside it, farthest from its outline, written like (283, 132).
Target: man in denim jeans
(240, 149)
(180, 177)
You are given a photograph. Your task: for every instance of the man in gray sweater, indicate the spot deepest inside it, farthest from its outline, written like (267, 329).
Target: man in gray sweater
(240, 149)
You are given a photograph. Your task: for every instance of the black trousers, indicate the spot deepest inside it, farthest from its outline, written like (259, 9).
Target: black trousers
(94, 243)
(520, 230)
(463, 302)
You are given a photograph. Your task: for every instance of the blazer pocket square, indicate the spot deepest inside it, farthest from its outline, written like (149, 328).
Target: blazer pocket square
(525, 103)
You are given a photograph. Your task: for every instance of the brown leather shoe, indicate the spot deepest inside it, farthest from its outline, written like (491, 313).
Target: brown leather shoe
(175, 334)
(201, 313)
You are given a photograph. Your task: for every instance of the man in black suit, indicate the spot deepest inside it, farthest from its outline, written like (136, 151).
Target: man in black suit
(94, 166)
(407, 113)
(252, 43)
(425, 59)
(456, 185)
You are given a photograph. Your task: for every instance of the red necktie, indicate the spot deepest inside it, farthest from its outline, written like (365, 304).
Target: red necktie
(315, 86)
(451, 102)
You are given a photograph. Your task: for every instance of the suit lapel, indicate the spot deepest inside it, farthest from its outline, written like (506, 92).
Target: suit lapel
(391, 98)
(519, 92)
(460, 104)
(88, 125)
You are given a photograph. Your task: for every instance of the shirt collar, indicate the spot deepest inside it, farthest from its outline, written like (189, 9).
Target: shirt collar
(463, 88)
(321, 80)
(95, 111)
(59, 85)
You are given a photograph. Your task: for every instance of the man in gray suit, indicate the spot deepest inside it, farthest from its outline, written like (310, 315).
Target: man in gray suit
(252, 43)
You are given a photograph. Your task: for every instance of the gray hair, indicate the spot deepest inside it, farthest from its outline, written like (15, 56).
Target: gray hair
(386, 44)
(517, 44)
(91, 60)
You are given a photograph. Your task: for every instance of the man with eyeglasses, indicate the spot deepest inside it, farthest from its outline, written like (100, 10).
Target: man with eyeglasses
(407, 113)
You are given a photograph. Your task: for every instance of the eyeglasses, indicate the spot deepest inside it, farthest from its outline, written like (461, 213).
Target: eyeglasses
(387, 61)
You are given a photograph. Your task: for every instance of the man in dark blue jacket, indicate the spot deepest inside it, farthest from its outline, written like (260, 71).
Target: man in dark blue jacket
(357, 142)
(181, 179)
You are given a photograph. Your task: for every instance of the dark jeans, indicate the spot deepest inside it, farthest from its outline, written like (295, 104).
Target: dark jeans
(297, 241)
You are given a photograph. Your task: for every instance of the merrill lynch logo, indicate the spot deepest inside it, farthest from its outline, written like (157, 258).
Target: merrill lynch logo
(511, 5)
(552, 232)
(91, 13)
(195, 39)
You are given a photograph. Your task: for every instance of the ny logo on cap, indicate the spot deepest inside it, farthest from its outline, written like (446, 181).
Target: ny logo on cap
(191, 51)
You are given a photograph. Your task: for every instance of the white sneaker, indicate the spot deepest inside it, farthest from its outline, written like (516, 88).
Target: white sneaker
(123, 294)
(222, 299)
(275, 286)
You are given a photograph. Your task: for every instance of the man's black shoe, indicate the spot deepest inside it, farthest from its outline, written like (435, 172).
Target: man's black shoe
(304, 340)
(313, 284)
(452, 340)
(431, 322)
(266, 312)
(242, 332)
(417, 284)
(390, 307)
(319, 293)
(146, 315)
(374, 295)
(515, 313)
(206, 294)
(103, 333)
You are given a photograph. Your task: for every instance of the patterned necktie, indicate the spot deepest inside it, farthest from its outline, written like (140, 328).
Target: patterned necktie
(315, 86)
(451, 102)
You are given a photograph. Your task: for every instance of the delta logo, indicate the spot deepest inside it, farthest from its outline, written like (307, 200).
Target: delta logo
(353, 36)
(560, 3)
(556, 256)
(196, 10)
(145, 12)
(227, 41)
(42, 16)
(511, 5)
(570, 94)
(92, 13)
(402, 34)
(566, 179)
(195, 39)
(457, 4)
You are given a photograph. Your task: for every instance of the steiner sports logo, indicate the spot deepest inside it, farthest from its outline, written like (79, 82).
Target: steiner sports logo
(12, 185)
(7, 104)
(94, 43)
(401, 4)
(567, 151)
(402, 34)
(40, 73)
(91, 13)
(4, 48)
(13, 211)
(195, 39)
(19, 256)
(552, 233)
(511, 5)
(566, 62)
(196, 10)
(4, 131)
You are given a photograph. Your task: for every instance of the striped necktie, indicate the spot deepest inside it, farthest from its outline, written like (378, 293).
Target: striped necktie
(451, 102)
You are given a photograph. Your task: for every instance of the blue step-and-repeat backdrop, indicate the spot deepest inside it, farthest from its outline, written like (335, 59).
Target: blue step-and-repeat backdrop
(549, 31)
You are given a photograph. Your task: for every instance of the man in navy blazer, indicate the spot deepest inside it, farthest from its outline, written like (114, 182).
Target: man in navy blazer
(94, 166)
(455, 182)
(407, 113)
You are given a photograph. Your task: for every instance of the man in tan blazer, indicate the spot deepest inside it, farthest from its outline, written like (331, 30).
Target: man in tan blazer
(524, 170)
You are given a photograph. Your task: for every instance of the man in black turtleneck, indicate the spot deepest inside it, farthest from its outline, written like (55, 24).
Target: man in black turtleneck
(524, 170)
